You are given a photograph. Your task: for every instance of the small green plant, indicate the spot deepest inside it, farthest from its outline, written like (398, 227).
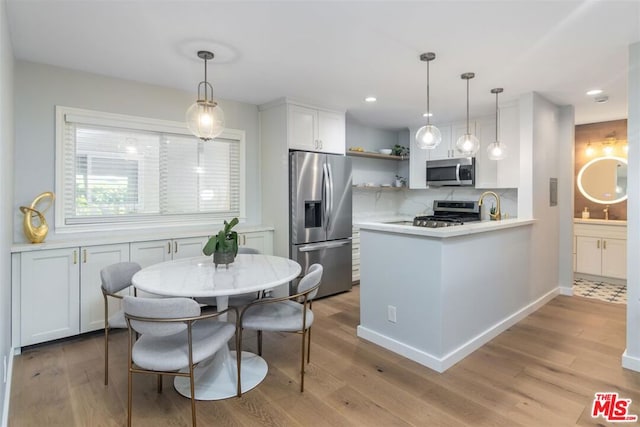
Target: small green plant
(492, 211)
(402, 180)
(226, 241)
(399, 150)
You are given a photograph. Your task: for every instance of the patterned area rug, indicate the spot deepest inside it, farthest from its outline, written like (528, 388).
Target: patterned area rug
(600, 290)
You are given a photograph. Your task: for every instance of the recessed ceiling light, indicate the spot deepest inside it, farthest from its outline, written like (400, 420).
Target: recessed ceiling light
(370, 99)
(594, 92)
(427, 115)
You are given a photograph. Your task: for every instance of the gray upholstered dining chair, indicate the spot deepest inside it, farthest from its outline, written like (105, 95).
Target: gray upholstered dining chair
(235, 300)
(285, 314)
(114, 278)
(173, 335)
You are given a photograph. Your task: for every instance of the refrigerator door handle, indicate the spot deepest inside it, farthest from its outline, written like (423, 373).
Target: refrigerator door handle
(319, 246)
(330, 195)
(325, 194)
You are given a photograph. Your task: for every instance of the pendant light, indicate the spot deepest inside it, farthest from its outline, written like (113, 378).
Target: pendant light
(497, 150)
(205, 118)
(428, 137)
(468, 143)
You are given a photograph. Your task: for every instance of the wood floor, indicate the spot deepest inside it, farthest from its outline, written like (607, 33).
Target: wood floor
(542, 372)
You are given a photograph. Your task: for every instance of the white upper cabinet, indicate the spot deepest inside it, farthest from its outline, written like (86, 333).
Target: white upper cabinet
(312, 129)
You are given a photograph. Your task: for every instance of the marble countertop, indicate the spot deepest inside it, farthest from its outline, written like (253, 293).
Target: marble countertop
(442, 232)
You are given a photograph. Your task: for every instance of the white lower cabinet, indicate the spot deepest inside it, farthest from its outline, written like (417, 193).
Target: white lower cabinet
(262, 241)
(94, 259)
(155, 251)
(49, 295)
(601, 250)
(355, 257)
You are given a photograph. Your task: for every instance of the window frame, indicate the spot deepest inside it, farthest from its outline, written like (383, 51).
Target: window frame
(130, 222)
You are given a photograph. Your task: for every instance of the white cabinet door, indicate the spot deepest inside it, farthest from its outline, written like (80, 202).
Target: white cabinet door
(508, 175)
(417, 162)
(486, 169)
(614, 258)
(188, 247)
(94, 259)
(315, 130)
(589, 255)
(153, 252)
(259, 240)
(302, 128)
(331, 132)
(49, 295)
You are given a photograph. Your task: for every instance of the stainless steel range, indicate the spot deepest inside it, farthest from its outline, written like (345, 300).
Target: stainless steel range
(447, 213)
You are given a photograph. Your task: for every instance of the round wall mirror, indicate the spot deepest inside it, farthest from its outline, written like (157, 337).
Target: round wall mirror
(604, 180)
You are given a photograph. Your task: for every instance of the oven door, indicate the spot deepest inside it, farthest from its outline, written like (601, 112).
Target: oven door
(451, 172)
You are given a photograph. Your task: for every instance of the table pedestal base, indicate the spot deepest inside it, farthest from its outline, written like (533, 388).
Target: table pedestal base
(216, 378)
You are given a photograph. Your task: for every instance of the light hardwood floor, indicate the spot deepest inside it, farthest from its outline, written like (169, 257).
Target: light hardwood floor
(542, 372)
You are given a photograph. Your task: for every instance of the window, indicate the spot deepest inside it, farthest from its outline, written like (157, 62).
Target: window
(115, 171)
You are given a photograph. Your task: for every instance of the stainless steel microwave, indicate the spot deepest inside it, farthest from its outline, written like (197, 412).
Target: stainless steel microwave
(452, 172)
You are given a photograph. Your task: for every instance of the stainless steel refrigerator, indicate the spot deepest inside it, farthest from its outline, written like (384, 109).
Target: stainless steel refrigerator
(320, 216)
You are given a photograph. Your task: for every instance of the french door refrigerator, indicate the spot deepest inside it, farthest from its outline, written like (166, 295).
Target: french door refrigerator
(320, 216)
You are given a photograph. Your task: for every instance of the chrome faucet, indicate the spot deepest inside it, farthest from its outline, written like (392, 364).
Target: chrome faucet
(497, 215)
(606, 213)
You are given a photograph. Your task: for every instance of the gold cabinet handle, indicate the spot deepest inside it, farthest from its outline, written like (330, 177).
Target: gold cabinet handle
(598, 244)
(75, 257)
(84, 256)
(175, 247)
(604, 244)
(168, 247)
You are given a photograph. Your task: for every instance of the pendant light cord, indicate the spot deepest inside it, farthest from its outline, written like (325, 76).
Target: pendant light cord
(428, 109)
(206, 93)
(468, 107)
(497, 116)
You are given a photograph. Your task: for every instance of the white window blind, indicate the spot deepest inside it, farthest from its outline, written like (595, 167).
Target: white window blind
(121, 169)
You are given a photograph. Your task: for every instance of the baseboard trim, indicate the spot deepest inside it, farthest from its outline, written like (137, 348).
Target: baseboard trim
(7, 390)
(441, 364)
(565, 290)
(630, 362)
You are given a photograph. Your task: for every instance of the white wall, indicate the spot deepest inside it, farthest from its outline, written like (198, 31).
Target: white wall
(6, 192)
(547, 137)
(631, 357)
(39, 88)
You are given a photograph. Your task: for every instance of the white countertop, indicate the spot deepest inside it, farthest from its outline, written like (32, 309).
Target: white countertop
(90, 239)
(615, 222)
(445, 232)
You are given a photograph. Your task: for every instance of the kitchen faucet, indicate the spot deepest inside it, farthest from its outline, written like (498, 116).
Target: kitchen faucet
(497, 215)
(606, 213)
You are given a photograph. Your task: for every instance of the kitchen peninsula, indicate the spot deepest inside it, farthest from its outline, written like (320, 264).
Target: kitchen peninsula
(434, 295)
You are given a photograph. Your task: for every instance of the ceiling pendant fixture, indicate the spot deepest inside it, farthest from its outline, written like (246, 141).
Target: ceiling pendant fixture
(468, 143)
(428, 137)
(497, 150)
(205, 118)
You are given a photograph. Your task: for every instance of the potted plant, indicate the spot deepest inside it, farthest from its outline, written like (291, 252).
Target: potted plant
(400, 181)
(224, 245)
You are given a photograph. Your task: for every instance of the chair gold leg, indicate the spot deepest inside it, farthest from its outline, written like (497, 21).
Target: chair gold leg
(239, 359)
(193, 396)
(159, 380)
(302, 361)
(308, 345)
(106, 355)
(130, 398)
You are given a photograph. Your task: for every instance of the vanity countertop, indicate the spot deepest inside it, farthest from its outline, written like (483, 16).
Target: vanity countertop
(614, 222)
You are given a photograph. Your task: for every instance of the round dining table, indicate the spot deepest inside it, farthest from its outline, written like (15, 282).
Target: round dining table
(216, 378)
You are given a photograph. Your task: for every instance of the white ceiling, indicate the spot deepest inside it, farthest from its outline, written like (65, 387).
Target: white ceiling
(335, 53)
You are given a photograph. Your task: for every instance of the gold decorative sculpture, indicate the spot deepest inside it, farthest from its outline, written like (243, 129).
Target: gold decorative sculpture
(36, 233)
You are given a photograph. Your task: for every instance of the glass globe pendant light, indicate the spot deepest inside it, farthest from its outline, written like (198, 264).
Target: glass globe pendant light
(497, 150)
(468, 144)
(428, 137)
(205, 118)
